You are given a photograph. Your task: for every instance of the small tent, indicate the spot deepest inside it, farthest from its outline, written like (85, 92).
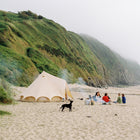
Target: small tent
(46, 88)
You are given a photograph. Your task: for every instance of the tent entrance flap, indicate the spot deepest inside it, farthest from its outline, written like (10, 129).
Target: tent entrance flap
(57, 99)
(29, 99)
(43, 99)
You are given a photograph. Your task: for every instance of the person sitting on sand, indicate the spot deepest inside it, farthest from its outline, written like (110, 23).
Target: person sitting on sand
(97, 97)
(119, 100)
(87, 101)
(106, 98)
(123, 99)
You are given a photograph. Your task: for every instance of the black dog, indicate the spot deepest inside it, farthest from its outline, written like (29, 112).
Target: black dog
(67, 105)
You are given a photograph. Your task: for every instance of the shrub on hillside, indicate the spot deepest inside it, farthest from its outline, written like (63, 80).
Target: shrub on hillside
(40, 17)
(5, 92)
(5, 96)
(23, 15)
(28, 14)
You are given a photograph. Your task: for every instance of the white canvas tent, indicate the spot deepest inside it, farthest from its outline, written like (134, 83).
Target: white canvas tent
(46, 88)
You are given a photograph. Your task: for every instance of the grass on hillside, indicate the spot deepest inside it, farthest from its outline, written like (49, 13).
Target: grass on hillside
(41, 62)
(15, 68)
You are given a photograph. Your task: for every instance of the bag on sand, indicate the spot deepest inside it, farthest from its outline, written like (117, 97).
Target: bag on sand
(92, 102)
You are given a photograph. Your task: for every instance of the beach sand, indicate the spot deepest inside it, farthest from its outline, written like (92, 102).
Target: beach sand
(44, 121)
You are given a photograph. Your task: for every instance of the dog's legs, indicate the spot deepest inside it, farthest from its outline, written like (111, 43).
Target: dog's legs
(70, 109)
(62, 108)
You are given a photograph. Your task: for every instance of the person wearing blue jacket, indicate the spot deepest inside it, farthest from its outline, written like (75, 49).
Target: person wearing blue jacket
(97, 97)
(123, 99)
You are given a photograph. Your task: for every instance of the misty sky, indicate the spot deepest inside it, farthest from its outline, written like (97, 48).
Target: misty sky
(115, 23)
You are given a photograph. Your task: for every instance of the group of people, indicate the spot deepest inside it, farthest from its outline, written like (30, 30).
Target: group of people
(106, 99)
(120, 100)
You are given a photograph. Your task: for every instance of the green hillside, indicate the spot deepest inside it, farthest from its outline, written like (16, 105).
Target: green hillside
(30, 43)
(121, 71)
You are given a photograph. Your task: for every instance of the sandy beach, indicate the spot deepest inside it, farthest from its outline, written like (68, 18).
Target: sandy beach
(44, 121)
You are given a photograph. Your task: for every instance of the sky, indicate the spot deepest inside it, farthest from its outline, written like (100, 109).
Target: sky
(116, 23)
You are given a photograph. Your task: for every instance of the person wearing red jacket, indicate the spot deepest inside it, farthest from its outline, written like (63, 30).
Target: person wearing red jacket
(106, 98)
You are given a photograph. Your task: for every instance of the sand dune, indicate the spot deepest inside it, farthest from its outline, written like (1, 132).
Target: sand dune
(44, 121)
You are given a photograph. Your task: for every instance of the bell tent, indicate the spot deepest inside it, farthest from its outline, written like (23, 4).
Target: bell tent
(46, 88)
